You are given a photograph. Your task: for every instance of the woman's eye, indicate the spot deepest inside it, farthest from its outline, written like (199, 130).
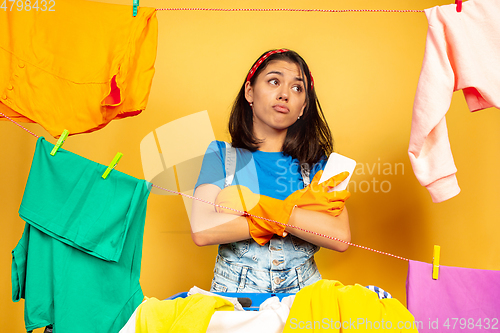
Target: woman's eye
(273, 82)
(297, 88)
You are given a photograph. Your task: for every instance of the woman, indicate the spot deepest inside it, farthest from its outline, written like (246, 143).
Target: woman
(280, 139)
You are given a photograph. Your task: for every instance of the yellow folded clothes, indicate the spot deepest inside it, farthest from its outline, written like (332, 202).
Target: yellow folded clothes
(76, 64)
(181, 315)
(328, 305)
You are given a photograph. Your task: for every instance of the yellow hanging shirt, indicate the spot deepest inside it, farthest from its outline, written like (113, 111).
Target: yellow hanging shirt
(75, 64)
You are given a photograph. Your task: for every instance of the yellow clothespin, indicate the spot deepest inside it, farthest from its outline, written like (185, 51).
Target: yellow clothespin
(135, 4)
(435, 262)
(60, 142)
(112, 165)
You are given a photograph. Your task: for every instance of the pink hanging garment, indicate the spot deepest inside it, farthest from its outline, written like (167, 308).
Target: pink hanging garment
(462, 52)
(461, 300)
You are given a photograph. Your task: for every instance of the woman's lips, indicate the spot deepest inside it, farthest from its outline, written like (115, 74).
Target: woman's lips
(281, 108)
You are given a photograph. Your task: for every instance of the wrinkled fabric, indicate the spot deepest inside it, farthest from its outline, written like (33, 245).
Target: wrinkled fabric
(76, 65)
(328, 305)
(78, 262)
(181, 315)
(270, 318)
(470, 295)
(461, 53)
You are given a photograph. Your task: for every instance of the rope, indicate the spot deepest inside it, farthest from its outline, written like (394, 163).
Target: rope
(284, 224)
(292, 10)
(16, 123)
(245, 213)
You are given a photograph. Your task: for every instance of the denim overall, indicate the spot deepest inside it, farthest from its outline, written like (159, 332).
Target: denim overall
(284, 264)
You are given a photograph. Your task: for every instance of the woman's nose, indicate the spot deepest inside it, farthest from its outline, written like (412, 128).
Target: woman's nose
(282, 95)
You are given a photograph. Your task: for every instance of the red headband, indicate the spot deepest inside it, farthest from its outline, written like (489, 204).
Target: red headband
(264, 57)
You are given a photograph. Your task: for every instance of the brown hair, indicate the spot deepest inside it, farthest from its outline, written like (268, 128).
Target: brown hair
(309, 139)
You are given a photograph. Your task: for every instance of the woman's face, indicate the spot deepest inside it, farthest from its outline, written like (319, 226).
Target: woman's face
(278, 96)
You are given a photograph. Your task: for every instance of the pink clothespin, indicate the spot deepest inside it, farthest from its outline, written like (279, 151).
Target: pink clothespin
(459, 5)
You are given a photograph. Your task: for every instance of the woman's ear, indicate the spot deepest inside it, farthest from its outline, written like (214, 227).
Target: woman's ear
(302, 111)
(248, 92)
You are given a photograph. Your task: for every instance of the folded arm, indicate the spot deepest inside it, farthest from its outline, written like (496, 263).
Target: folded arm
(322, 223)
(208, 227)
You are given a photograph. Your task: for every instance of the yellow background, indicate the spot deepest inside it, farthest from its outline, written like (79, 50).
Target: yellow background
(366, 68)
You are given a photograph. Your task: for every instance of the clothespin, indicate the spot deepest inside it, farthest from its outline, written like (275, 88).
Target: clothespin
(112, 165)
(459, 5)
(60, 142)
(135, 4)
(435, 262)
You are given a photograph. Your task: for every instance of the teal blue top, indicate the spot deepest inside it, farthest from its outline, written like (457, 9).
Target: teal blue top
(273, 174)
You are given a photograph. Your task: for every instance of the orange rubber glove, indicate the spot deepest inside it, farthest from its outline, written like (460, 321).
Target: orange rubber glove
(318, 197)
(241, 198)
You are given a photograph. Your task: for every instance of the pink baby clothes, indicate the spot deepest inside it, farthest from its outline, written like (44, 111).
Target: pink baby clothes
(462, 52)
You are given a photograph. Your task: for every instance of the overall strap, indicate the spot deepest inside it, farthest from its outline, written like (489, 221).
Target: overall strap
(304, 170)
(230, 164)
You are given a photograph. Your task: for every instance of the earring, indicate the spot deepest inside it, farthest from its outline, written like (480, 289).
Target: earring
(251, 104)
(298, 117)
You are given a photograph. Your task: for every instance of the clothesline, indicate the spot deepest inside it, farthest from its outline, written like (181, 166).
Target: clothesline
(16, 123)
(244, 213)
(292, 10)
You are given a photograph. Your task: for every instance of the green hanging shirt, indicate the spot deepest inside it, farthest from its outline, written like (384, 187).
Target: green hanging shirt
(78, 262)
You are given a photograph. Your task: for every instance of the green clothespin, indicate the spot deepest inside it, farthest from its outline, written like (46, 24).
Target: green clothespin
(112, 165)
(135, 5)
(60, 142)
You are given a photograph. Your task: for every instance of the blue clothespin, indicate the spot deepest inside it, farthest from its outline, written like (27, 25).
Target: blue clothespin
(112, 165)
(60, 142)
(135, 5)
